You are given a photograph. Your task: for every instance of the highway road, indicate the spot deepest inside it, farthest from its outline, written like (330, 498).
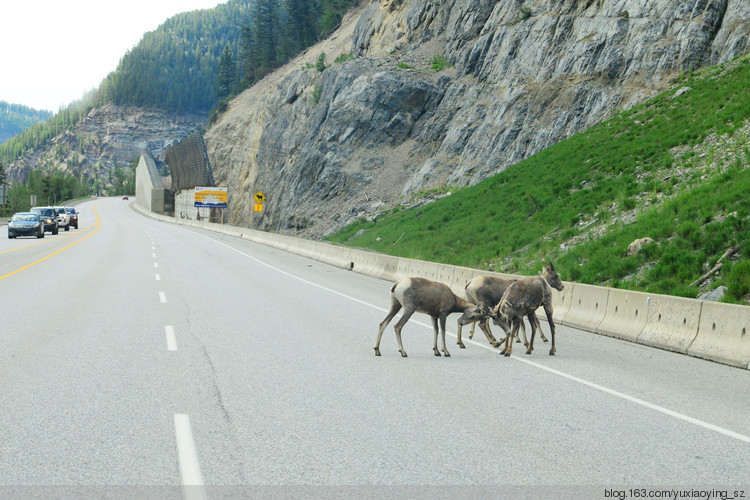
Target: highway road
(141, 356)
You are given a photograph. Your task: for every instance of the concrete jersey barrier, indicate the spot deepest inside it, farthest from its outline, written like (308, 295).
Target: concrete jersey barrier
(723, 334)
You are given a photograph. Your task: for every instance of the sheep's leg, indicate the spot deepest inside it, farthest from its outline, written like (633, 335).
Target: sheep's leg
(442, 335)
(509, 344)
(485, 326)
(471, 332)
(434, 344)
(548, 312)
(458, 336)
(395, 308)
(534, 322)
(407, 314)
(523, 330)
(541, 332)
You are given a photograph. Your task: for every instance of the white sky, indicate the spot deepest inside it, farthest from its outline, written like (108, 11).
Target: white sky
(54, 51)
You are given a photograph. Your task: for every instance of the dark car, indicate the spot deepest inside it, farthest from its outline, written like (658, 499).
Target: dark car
(25, 224)
(49, 217)
(72, 217)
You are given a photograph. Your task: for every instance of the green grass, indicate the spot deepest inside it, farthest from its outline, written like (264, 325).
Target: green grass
(681, 164)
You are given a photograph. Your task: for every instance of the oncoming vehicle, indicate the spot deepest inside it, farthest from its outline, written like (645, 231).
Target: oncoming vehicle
(62, 217)
(49, 218)
(25, 224)
(72, 217)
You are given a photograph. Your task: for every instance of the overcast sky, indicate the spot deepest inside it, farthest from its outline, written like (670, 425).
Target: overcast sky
(53, 51)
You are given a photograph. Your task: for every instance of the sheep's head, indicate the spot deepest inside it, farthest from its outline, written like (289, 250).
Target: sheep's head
(550, 276)
(503, 311)
(470, 315)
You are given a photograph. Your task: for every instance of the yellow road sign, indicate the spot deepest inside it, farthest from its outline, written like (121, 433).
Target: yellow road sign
(259, 207)
(259, 197)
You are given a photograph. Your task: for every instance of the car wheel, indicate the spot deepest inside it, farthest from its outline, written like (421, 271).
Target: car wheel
(54, 231)
(67, 228)
(10, 237)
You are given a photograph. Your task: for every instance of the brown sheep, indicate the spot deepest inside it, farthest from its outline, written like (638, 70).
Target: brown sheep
(429, 297)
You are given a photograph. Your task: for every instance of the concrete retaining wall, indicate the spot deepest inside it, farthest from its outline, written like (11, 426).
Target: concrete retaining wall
(715, 331)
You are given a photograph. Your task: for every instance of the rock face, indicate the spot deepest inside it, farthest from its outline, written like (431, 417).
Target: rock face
(361, 136)
(109, 136)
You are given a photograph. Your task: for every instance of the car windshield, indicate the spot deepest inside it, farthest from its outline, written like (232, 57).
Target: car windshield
(25, 218)
(60, 211)
(70, 210)
(44, 211)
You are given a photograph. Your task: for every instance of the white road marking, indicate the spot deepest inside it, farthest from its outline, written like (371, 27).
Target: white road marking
(156, 265)
(153, 255)
(171, 340)
(162, 297)
(157, 276)
(592, 385)
(187, 455)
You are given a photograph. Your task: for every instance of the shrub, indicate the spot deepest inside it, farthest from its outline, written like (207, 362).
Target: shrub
(438, 63)
(523, 14)
(343, 57)
(320, 63)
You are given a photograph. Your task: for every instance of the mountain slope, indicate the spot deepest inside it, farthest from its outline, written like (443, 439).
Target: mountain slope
(15, 118)
(448, 93)
(675, 169)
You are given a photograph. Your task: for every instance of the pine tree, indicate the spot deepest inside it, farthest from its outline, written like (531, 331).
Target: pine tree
(226, 73)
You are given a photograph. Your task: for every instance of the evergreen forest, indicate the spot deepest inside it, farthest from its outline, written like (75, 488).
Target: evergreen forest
(15, 118)
(196, 59)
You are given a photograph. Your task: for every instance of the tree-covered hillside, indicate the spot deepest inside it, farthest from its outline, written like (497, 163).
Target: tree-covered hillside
(197, 58)
(15, 118)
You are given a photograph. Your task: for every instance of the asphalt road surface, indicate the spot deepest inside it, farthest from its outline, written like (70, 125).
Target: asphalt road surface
(138, 356)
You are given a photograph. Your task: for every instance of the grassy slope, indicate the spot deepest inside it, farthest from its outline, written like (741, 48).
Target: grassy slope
(674, 169)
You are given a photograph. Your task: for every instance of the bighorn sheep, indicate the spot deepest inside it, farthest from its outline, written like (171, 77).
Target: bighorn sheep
(487, 291)
(429, 297)
(524, 297)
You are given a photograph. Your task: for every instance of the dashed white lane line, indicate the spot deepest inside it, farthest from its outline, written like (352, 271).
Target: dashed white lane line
(156, 265)
(162, 297)
(573, 378)
(171, 339)
(187, 455)
(157, 277)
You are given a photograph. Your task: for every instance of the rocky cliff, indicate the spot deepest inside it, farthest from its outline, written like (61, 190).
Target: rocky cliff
(449, 92)
(108, 136)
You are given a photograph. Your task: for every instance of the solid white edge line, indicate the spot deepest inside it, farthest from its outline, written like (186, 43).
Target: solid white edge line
(187, 456)
(171, 339)
(612, 392)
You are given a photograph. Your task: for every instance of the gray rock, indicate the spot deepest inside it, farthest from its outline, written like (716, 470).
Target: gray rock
(714, 295)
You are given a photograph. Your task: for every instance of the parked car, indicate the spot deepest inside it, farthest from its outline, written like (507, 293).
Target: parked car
(62, 218)
(72, 216)
(25, 224)
(49, 218)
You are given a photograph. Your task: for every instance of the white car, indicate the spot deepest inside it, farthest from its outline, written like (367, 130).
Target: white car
(62, 218)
